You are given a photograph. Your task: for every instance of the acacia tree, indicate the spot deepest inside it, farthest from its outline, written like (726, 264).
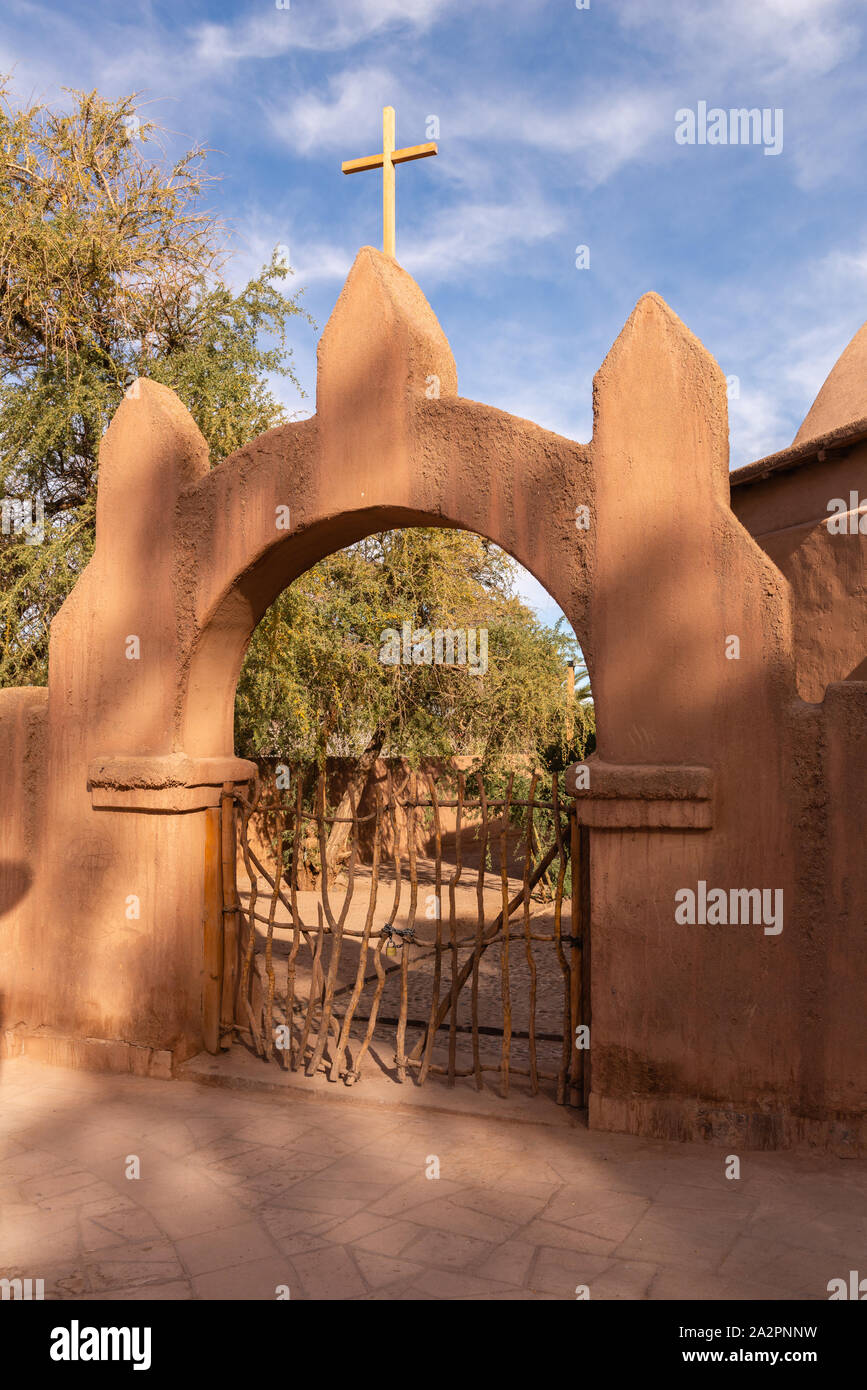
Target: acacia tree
(316, 678)
(110, 268)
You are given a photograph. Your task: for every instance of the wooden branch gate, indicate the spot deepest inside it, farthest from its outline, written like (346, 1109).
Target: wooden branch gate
(444, 966)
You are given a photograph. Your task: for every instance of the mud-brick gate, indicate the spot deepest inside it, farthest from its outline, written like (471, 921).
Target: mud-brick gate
(709, 771)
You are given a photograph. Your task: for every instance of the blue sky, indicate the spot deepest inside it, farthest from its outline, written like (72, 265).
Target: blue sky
(556, 130)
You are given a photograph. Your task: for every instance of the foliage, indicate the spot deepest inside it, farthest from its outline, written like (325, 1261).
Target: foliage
(110, 269)
(313, 681)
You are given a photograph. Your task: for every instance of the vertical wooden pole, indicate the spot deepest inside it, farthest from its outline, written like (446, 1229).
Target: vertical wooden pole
(388, 191)
(212, 932)
(576, 1069)
(231, 933)
(570, 700)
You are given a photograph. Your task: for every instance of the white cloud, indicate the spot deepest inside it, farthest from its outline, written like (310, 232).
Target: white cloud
(781, 339)
(311, 123)
(471, 234)
(602, 132)
(321, 25)
(774, 40)
(322, 263)
(795, 55)
(257, 231)
(758, 425)
(463, 236)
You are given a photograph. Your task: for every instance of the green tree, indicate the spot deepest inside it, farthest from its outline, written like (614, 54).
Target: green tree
(314, 680)
(110, 269)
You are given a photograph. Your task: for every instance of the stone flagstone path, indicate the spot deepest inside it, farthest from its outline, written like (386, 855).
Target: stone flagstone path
(241, 1193)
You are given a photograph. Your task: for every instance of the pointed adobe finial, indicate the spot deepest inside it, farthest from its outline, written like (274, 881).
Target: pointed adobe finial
(381, 344)
(151, 450)
(657, 369)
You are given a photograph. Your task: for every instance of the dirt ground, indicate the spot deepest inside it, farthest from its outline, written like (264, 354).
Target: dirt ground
(502, 973)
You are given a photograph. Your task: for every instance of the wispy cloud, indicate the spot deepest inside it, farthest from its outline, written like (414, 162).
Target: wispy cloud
(607, 128)
(311, 123)
(602, 131)
(324, 26)
(773, 41)
(460, 239)
(470, 235)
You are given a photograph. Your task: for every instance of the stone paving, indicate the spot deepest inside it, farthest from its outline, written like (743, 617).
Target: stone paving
(241, 1193)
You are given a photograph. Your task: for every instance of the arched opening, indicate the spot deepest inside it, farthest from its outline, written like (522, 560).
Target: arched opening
(246, 584)
(409, 876)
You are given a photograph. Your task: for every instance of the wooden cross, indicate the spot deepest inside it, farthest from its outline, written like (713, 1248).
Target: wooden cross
(386, 161)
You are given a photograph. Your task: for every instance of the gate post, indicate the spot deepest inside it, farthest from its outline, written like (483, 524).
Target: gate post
(212, 943)
(229, 905)
(586, 954)
(579, 958)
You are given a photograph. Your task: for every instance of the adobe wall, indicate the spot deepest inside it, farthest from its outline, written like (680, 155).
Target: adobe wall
(22, 779)
(707, 768)
(788, 514)
(396, 770)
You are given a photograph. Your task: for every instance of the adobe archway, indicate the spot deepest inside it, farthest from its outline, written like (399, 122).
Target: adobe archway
(698, 774)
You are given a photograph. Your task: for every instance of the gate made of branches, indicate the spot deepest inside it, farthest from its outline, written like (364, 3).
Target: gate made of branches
(451, 942)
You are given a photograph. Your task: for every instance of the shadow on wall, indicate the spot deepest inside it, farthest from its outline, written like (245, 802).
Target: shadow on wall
(859, 673)
(16, 878)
